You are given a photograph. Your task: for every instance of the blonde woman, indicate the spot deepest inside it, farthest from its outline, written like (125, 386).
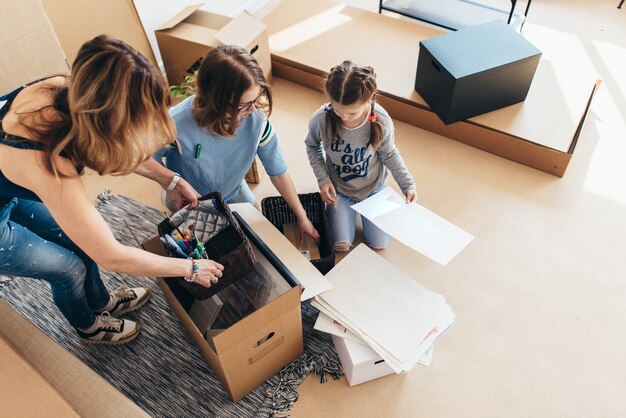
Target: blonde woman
(110, 115)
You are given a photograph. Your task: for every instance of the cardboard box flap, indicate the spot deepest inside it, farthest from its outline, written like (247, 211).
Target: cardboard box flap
(207, 19)
(196, 34)
(242, 330)
(240, 31)
(261, 8)
(179, 17)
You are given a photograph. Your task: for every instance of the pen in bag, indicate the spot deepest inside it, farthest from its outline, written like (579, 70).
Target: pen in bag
(202, 250)
(172, 247)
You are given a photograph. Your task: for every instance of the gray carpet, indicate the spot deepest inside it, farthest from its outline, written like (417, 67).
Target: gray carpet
(161, 370)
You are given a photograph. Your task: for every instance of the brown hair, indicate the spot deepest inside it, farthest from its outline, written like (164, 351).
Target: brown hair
(348, 84)
(225, 74)
(111, 115)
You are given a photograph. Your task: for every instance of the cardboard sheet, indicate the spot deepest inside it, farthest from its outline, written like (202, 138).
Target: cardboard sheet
(414, 225)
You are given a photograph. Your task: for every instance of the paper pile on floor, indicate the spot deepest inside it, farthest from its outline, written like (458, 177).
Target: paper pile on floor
(375, 303)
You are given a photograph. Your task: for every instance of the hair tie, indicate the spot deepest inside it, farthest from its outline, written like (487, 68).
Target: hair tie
(373, 117)
(328, 107)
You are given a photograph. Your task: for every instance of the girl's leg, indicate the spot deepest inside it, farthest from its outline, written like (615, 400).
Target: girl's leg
(373, 236)
(342, 218)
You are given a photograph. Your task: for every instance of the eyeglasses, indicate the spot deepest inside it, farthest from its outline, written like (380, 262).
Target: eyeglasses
(244, 107)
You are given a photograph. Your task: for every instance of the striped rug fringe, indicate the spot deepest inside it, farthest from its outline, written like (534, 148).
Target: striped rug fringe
(282, 392)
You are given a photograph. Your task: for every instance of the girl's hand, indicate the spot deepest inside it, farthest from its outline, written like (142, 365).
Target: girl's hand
(183, 194)
(411, 196)
(306, 227)
(328, 193)
(209, 272)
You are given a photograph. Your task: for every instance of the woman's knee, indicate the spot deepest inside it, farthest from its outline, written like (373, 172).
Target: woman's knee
(342, 246)
(69, 276)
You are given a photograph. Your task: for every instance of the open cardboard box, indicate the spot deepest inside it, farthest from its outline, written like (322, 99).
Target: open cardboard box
(188, 36)
(541, 132)
(252, 350)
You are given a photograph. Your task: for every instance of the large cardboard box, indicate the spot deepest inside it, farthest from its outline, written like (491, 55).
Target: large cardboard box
(40, 38)
(24, 392)
(475, 70)
(541, 132)
(249, 352)
(188, 36)
(359, 362)
(30, 48)
(75, 22)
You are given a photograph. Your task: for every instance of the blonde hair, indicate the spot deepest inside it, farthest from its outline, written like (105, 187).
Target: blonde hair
(347, 84)
(112, 114)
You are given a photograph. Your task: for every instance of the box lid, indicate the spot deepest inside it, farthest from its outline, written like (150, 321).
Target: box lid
(179, 17)
(241, 30)
(479, 48)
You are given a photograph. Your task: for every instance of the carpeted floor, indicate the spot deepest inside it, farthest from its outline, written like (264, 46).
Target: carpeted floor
(162, 371)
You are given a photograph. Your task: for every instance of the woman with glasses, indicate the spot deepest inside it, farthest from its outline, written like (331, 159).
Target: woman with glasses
(220, 131)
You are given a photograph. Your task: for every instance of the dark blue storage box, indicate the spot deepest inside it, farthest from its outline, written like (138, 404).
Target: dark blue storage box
(475, 70)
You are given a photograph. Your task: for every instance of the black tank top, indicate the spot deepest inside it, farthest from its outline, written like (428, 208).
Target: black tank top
(8, 189)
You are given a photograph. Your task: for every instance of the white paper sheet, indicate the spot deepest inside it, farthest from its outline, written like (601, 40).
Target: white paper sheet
(398, 317)
(325, 323)
(399, 366)
(414, 225)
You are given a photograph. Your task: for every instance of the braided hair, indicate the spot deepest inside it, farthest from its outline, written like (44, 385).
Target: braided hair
(348, 84)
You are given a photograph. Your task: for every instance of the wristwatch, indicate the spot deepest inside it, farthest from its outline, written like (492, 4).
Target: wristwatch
(174, 182)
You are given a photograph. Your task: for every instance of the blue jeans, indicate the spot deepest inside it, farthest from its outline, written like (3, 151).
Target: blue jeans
(342, 225)
(32, 245)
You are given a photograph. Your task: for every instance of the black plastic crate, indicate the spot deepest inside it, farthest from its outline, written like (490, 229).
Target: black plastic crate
(276, 210)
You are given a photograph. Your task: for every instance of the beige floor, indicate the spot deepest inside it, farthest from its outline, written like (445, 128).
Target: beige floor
(539, 295)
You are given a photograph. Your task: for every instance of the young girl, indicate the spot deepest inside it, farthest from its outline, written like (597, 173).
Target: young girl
(351, 147)
(109, 115)
(223, 127)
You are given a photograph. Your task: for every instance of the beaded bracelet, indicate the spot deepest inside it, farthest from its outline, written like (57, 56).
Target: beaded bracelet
(194, 272)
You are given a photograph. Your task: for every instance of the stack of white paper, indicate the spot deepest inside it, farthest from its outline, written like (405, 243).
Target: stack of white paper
(384, 307)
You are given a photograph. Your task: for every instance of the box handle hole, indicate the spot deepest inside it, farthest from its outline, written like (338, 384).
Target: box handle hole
(255, 49)
(436, 66)
(264, 339)
(379, 361)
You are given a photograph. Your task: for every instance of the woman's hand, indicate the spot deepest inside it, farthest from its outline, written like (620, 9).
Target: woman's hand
(306, 227)
(209, 272)
(328, 193)
(183, 194)
(411, 196)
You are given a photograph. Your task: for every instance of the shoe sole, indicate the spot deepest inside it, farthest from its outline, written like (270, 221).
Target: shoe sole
(119, 342)
(134, 308)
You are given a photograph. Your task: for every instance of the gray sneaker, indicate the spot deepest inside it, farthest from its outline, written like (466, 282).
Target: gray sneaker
(127, 300)
(110, 330)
